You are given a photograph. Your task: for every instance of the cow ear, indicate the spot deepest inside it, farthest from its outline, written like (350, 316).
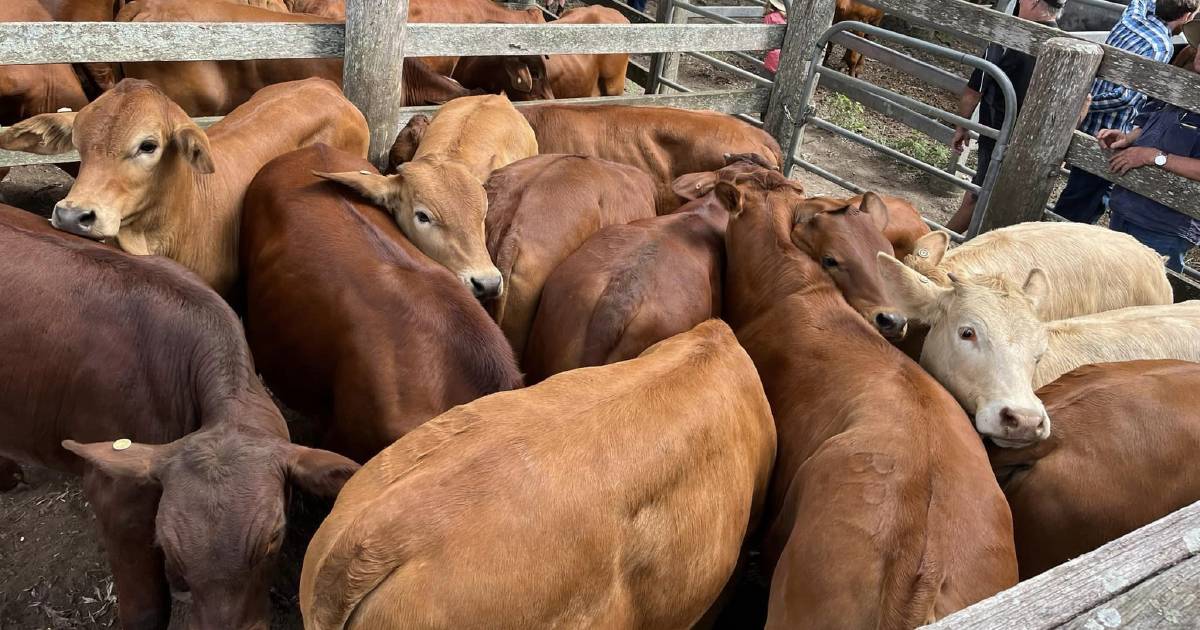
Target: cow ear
(193, 145)
(1036, 288)
(44, 134)
(694, 185)
(729, 197)
(518, 74)
(317, 472)
(378, 189)
(915, 294)
(874, 206)
(932, 247)
(123, 459)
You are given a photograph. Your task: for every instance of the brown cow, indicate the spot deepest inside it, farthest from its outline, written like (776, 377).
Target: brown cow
(662, 141)
(607, 497)
(520, 77)
(96, 78)
(904, 225)
(1113, 463)
(335, 9)
(143, 375)
(847, 10)
(438, 198)
(576, 76)
(466, 12)
(419, 345)
(157, 184)
(541, 209)
(215, 88)
(632, 285)
(882, 512)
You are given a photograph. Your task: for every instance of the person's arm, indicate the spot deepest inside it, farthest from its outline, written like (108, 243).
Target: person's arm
(1115, 97)
(1183, 166)
(1137, 157)
(966, 106)
(1116, 139)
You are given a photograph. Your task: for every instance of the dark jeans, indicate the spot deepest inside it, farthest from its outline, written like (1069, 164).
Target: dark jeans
(1170, 245)
(640, 5)
(1082, 201)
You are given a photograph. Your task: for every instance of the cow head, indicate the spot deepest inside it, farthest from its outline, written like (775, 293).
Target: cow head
(440, 206)
(130, 141)
(985, 341)
(527, 78)
(845, 242)
(221, 510)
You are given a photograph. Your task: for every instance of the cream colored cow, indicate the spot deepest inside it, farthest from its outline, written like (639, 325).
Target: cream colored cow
(989, 348)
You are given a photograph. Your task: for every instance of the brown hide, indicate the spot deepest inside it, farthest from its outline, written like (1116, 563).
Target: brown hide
(466, 12)
(100, 345)
(661, 141)
(848, 10)
(578, 76)
(606, 497)
(882, 511)
(904, 224)
(215, 88)
(1122, 440)
(28, 90)
(520, 77)
(541, 209)
(419, 344)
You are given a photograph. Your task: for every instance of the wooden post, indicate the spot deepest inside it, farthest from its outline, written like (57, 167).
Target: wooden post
(1061, 82)
(807, 21)
(662, 15)
(670, 68)
(374, 62)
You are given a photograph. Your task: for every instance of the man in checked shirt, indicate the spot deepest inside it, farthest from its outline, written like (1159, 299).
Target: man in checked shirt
(1145, 29)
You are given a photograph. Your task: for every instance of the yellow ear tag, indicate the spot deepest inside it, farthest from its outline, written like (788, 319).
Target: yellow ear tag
(364, 172)
(122, 444)
(63, 110)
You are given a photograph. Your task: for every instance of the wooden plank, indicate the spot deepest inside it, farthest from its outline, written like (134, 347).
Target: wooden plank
(1158, 80)
(896, 111)
(663, 12)
(1167, 600)
(927, 72)
(1185, 288)
(784, 118)
(80, 42)
(1062, 79)
(734, 11)
(1071, 589)
(1167, 188)
(373, 72)
(727, 101)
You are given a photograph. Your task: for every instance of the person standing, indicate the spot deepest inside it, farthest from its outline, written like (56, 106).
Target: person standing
(984, 92)
(1167, 137)
(774, 13)
(1145, 29)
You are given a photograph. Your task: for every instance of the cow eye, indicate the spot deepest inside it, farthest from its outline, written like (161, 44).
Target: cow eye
(967, 333)
(147, 146)
(829, 262)
(422, 218)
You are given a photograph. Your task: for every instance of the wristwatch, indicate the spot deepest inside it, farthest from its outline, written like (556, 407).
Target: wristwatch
(1160, 160)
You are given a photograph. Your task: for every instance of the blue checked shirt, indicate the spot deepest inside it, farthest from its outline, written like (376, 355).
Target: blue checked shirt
(1141, 33)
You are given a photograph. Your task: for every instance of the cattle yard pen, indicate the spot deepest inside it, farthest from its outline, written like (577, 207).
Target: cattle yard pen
(1134, 577)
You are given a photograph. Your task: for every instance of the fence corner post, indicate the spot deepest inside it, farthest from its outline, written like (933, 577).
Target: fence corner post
(374, 63)
(663, 13)
(1062, 79)
(807, 21)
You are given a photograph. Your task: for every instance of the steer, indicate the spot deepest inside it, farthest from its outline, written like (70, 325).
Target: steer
(883, 512)
(606, 497)
(438, 198)
(578, 76)
(1092, 269)
(142, 374)
(419, 343)
(988, 345)
(155, 183)
(541, 209)
(1125, 435)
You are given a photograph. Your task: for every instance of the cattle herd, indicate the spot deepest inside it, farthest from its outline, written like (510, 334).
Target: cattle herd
(571, 366)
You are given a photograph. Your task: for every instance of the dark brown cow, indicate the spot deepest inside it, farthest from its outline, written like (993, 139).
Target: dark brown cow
(351, 323)
(215, 88)
(520, 77)
(631, 286)
(142, 374)
(466, 12)
(882, 511)
(1118, 457)
(664, 142)
(541, 209)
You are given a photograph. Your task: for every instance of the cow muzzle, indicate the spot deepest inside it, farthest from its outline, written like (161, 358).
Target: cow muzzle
(76, 220)
(892, 326)
(485, 285)
(1011, 426)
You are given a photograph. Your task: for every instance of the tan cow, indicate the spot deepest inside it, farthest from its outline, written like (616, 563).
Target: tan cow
(438, 198)
(989, 347)
(573, 76)
(154, 182)
(1125, 437)
(605, 497)
(1091, 269)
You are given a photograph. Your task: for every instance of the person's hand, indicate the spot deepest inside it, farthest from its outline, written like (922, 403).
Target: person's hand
(961, 139)
(1128, 159)
(1113, 139)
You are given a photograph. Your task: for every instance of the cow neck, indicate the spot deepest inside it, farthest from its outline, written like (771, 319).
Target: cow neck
(228, 393)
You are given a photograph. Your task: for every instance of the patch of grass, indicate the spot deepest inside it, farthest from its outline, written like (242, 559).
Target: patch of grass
(847, 113)
(921, 147)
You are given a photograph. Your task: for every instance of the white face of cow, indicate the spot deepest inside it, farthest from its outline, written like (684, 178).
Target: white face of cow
(985, 341)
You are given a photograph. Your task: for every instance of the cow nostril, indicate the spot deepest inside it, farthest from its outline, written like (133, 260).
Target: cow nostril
(1008, 418)
(486, 286)
(87, 219)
